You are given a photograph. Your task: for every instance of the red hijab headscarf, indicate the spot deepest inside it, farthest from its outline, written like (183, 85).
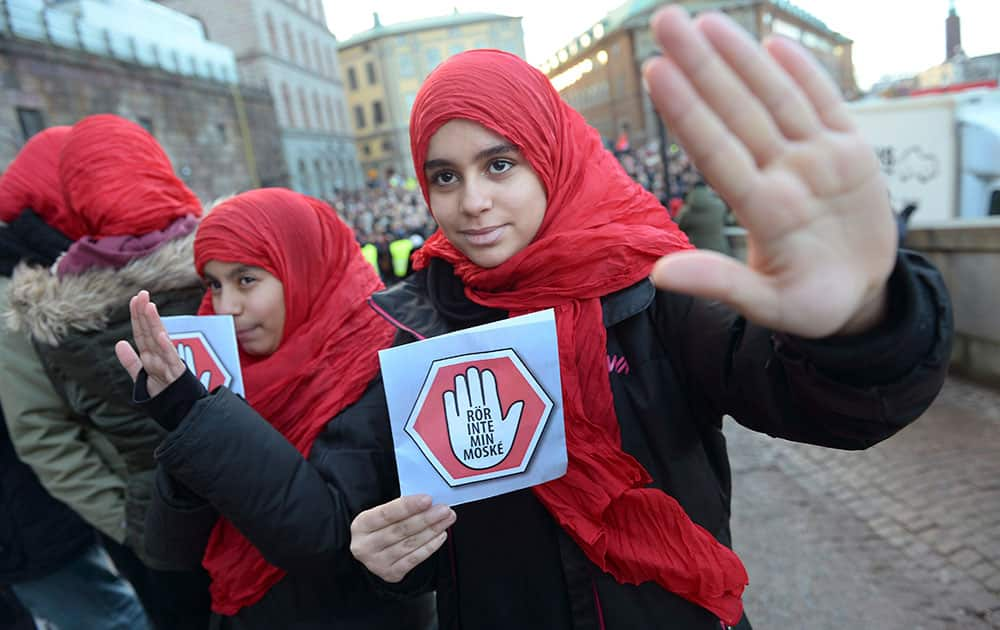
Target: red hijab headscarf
(118, 181)
(328, 351)
(602, 232)
(32, 181)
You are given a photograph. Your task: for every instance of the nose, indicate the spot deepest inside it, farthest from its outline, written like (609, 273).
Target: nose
(228, 302)
(475, 196)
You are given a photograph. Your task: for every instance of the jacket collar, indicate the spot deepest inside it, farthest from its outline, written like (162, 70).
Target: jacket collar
(407, 306)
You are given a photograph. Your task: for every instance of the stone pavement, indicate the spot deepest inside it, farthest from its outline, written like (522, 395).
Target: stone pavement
(905, 535)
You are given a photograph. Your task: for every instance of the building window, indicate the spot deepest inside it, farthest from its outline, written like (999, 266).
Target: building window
(370, 71)
(272, 33)
(147, 123)
(433, 57)
(352, 79)
(331, 64)
(387, 145)
(319, 177)
(454, 49)
(306, 122)
(221, 128)
(320, 61)
(305, 50)
(31, 121)
(329, 114)
(359, 117)
(286, 96)
(405, 63)
(367, 150)
(289, 42)
(319, 111)
(377, 116)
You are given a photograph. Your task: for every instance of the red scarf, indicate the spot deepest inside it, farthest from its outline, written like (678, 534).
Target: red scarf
(328, 352)
(601, 232)
(32, 181)
(118, 181)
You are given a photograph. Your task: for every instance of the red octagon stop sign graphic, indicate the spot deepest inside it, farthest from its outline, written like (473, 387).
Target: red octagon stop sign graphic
(204, 357)
(479, 416)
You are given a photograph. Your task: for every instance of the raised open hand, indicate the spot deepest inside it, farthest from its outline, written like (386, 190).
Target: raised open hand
(481, 435)
(156, 354)
(768, 129)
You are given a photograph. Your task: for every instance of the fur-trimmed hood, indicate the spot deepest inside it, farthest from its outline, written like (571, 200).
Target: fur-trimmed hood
(50, 308)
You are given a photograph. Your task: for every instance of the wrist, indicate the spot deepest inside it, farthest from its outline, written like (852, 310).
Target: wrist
(871, 313)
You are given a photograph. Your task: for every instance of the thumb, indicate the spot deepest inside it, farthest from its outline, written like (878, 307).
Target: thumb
(128, 358)
(514, 413)
(715, 276)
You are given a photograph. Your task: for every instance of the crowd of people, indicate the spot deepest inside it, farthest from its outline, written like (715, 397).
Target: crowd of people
(135, 494)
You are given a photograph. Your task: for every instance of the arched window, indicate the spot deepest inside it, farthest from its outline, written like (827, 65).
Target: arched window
(305, 109)
(286, 96)
(320, 62)
(272, 33)
(329, 114)
(319, 111)
(290, 42)
(305, 50)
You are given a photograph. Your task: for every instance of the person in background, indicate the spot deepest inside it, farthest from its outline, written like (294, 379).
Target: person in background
(50, 557)
(132, 223)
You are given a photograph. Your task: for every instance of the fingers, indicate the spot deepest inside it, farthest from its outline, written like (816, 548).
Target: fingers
(475, 387)
(128, 358)
(814, 81)
(395, 537)
(450, 406)
(491, 397)
(461, 392)
(718, 89)
(778, 93)
(391, 513)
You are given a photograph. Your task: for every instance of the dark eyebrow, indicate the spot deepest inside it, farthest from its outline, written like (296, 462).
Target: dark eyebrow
(235, 273)
(482, 155)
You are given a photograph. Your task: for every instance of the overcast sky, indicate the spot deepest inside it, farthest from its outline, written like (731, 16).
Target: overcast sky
(890, 36)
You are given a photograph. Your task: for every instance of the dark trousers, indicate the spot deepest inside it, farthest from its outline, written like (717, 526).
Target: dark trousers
(174, 600)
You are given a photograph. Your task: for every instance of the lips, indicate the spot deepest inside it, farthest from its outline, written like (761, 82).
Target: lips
(247, 332)
(484, 236)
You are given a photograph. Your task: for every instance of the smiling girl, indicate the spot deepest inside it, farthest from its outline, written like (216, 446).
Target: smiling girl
(827, 335)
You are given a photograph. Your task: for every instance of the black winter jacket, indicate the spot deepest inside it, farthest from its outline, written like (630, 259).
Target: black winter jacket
(38, 534)
(221, 457)
(677, 365)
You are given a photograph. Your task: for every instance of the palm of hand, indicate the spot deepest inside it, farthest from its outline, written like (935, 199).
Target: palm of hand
(771, 134)
(819, 233)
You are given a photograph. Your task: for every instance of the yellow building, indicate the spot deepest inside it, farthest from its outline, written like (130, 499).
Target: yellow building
(383, 67)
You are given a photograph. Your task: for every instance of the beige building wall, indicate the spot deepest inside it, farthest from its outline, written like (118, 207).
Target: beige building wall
(383, 71)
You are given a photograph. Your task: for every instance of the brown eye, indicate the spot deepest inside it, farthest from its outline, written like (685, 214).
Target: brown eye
(498, 167)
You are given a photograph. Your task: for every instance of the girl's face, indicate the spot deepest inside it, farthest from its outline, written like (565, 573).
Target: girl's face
(486, 197)
(254, 298)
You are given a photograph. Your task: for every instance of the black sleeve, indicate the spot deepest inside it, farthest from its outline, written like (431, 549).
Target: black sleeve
(843, 392)
(297, 513)
(178, 525)
(171, 405)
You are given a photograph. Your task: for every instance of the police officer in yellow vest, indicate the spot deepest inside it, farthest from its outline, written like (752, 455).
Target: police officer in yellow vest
(400, 253)
(370, 252)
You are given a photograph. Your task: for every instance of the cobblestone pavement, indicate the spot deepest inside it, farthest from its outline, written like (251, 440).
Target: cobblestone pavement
(905, 535)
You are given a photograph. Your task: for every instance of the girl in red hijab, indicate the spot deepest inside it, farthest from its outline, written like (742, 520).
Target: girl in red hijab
(262, 490)
(534, 213)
